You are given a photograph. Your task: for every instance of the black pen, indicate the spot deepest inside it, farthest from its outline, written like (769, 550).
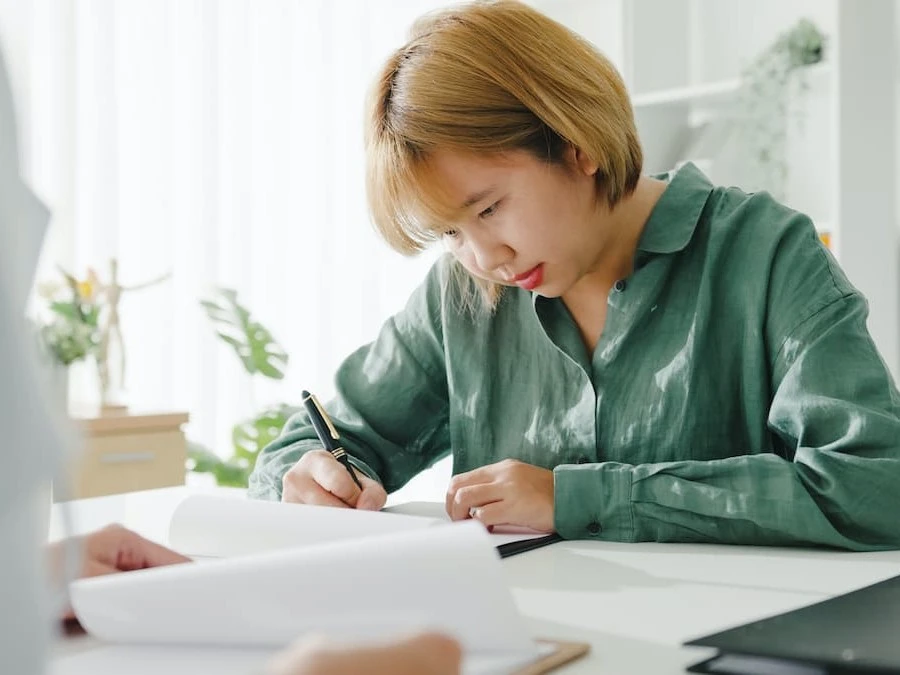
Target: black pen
(523, 545)
(327, 434)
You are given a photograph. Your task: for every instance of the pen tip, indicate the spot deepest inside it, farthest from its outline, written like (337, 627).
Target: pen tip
(304, 394)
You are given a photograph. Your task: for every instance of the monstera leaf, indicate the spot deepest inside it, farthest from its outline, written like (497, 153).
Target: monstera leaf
(251, 436)
(228, 472)
(252, 342)
(259, 353)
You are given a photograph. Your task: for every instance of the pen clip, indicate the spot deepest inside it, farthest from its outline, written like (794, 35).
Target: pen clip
(325, 417)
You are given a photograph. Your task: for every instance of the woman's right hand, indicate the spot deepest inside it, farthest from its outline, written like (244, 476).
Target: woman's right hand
(423, 654)
(318, 478)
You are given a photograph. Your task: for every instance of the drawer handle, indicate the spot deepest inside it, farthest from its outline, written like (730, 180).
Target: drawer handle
(127, 457)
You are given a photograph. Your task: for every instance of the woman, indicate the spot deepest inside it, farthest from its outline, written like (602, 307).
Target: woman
(605, 354)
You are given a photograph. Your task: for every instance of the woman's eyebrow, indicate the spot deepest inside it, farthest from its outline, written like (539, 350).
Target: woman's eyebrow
(477, 196)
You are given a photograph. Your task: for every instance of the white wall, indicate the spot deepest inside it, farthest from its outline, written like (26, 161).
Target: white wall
(600, 21)
(732, 32)
(729, 34)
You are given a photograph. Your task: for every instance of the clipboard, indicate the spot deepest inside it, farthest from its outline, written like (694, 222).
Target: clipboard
(563, 653)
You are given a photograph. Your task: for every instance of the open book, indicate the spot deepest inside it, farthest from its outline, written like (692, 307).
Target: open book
(268, 573)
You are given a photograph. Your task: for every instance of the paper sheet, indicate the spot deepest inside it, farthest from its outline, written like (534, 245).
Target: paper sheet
(446, 578)
(436, 511)
(206, 526)
(210, 526)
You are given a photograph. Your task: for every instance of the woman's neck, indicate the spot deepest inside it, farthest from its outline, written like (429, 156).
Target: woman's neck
(624, 225)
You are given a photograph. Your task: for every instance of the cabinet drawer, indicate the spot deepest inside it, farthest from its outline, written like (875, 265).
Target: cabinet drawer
(115, 463)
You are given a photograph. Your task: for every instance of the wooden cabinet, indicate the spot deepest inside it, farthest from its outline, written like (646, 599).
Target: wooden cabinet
(125, 452)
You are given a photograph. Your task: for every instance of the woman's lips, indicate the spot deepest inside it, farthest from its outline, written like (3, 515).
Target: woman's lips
(530, 279)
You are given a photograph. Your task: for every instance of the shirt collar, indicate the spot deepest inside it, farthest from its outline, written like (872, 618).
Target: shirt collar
(676, 213)
(675, 216)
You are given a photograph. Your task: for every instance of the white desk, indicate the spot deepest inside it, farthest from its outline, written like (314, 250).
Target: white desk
(635, 603)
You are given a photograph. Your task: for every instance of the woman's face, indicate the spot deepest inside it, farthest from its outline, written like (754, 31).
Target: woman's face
(524, 222)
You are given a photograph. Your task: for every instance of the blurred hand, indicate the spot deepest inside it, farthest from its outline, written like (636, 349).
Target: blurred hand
(318, 478)
(113, 549)
(423, 654)
(506, 493)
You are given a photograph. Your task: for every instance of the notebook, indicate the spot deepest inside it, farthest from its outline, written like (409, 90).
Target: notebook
(855, 632)
(266, 573)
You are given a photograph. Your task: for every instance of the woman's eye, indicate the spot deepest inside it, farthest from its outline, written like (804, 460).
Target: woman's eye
(489, 211)
(453, 234)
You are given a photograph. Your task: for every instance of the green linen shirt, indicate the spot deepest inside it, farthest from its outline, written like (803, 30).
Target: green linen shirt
(735, 395)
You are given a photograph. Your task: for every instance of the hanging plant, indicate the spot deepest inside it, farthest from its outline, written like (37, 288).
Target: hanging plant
(764, 112)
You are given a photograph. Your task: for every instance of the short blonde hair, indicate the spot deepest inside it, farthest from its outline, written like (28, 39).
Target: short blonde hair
(490, 76)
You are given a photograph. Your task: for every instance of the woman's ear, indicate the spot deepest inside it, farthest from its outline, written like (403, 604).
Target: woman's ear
(579, 160)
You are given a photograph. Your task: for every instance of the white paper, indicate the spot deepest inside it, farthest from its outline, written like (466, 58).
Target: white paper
(221, 527)
(447, 578)
(437, 511)
(207, 526)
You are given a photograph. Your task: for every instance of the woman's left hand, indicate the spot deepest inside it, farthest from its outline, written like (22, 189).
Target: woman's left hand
(506, 493)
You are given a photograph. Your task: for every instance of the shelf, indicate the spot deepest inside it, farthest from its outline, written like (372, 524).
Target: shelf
(710, 93)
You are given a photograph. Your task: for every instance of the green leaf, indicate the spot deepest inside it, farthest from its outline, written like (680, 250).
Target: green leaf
(251, 436)
(69, 340)
(65, 309)
(201, 459)
(229, 473)
(90, 315)
(252, 342)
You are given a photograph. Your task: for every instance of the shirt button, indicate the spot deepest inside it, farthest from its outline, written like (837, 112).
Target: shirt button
(593, 528)
(621, 285)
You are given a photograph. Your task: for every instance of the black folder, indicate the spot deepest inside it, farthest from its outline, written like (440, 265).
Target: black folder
(858, 632)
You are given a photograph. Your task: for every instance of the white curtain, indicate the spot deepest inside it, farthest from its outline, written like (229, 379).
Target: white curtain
(221, 141)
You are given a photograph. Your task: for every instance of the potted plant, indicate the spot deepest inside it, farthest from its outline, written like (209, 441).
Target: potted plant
(81, 321)
(259, 355)
(69, 329)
